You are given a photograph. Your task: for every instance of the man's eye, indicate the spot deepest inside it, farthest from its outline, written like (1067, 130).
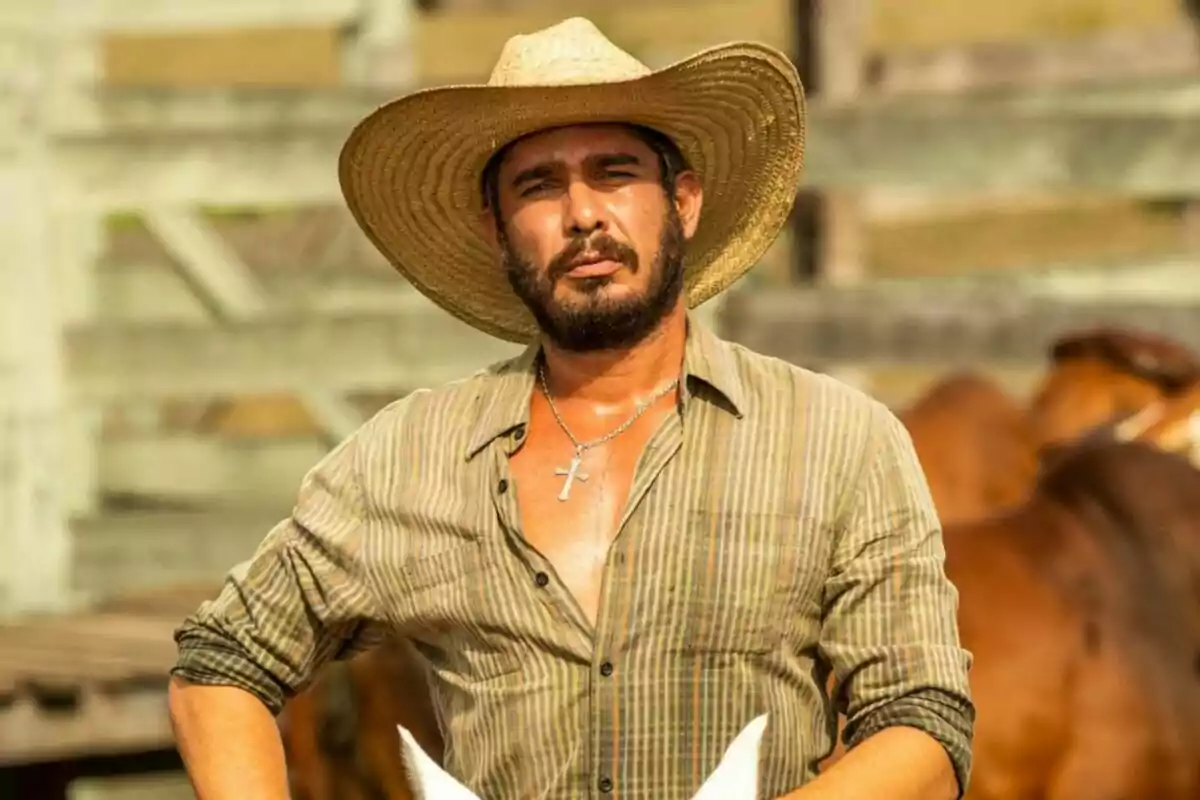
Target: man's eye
(533, 189)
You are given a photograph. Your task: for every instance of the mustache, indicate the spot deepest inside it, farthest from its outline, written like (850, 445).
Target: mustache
(603, 245)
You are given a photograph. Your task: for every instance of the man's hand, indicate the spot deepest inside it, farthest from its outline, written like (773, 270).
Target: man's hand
(897, 763)
(229, 742)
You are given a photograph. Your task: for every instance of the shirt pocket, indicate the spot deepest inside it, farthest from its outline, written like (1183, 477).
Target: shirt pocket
(440, 602)
(741, 569)
(418, 574)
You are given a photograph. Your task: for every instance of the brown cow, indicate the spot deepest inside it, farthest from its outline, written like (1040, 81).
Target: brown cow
(1108, 529)
(340, 734)
(1082, 609)
(978, 451)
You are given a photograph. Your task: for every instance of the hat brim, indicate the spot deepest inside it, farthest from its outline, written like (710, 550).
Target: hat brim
(410, 171)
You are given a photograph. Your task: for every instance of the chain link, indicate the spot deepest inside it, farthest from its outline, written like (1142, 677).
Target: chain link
(580, 447)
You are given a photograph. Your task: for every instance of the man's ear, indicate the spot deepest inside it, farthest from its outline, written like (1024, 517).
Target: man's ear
(689, 198)
(487, 221)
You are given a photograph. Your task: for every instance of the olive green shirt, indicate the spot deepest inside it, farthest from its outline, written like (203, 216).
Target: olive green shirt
(778, 526)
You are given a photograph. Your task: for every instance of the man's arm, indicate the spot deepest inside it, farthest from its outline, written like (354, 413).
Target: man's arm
(299, 602)
(891, 634)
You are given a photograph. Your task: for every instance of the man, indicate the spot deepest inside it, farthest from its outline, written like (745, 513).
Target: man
(620, 547)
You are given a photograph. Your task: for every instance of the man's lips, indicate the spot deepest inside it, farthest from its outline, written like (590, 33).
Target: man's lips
(593, 268)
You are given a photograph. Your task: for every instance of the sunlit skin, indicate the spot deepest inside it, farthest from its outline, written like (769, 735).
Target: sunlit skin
(576, 203)
(603, 181)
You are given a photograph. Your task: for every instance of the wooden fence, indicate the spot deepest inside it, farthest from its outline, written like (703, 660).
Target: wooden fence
(931, 122)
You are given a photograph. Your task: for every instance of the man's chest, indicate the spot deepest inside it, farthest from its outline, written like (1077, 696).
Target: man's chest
(572, 494)
(718, 544)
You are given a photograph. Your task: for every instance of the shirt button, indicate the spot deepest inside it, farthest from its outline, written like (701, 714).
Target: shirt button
(541, 579)
(605, 784)
(519, 432)
(606, 668)
(502, 486)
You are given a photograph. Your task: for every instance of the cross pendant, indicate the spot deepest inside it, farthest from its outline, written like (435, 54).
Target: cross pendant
(570, 473)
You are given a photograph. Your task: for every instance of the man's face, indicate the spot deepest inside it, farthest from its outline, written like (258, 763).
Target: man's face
(591, 240)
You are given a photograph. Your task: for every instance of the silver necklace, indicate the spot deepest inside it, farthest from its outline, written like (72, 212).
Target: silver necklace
(571, 473)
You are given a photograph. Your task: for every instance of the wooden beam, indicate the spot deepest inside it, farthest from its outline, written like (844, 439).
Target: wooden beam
(163, 113)
(219, 275)
(1120, 144)
(462, 42)
(383, 51)
(1110, 55)
(154, 16)
(107, 669)
(902, 239)
(33, 499)
(129, 722)
(256, 110)
(347, 353)
(830, 58)
(841, 235)
(152, 293)
(189, 527)
(456, 45)
(206, 471)
(241, 475)
(122, 553)
(1025, 240)
(1173, 281)
(259, 149)
(192, 140)
(170, 783)
(78, 240)
(925, 24)
(294, 55)
(207, 263)
(244, 111)
(905, 322)
(292, 168)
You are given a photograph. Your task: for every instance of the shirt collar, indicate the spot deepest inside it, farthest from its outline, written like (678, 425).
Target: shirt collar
(710, 360)
(504, 398)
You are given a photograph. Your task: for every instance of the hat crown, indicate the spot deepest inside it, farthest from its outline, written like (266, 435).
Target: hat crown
(572, 52)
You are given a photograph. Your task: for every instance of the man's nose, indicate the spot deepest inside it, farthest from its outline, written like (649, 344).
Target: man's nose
(584, 212)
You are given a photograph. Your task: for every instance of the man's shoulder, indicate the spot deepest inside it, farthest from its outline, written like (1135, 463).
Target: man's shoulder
(825, 399)
(834, 428)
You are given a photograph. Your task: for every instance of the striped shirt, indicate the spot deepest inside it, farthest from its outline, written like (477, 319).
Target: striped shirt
(778, 527)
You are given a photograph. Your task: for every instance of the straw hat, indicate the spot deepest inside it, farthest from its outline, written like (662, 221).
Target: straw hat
(410, 172)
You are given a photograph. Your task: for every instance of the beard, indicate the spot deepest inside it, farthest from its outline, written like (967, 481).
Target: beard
(590, 320)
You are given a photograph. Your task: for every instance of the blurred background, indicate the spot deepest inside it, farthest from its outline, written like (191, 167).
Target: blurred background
(189, 318)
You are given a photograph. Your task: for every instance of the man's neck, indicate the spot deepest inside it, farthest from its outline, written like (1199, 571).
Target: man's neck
(618, 376)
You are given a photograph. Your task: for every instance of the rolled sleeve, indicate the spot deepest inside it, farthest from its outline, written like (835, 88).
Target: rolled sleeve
(945, 716)
(301, 600)
(890, 630)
